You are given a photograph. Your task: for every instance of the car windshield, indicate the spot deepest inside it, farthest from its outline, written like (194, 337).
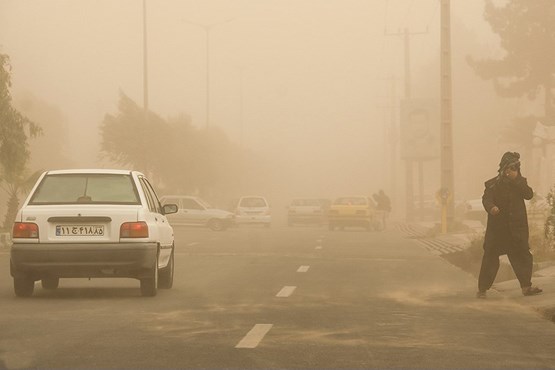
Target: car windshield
(86, 188)
(253, 202)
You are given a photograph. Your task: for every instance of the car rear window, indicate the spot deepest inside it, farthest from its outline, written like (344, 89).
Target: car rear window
(86, 188)
(351, 201)
(306, 202)
(253, 202)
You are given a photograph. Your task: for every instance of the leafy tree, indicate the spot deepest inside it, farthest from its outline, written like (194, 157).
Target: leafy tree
(527, 33)
(178, 156)
(55, 133)
(133, 139)
(15, 129)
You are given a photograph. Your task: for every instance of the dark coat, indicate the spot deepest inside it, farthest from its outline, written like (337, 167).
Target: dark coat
(509, 228)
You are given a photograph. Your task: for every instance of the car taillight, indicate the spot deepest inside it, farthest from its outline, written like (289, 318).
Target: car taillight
(133, 230)
(27, 230)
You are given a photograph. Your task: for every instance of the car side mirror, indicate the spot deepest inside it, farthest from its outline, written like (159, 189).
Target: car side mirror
(169, 208)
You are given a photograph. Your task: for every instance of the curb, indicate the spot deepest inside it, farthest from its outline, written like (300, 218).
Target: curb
(543, 275)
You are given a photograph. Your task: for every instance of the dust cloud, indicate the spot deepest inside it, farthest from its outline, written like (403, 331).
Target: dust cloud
(304, 87)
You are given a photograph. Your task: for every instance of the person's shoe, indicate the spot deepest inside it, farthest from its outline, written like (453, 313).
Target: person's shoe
(531, 290)
(481, 294)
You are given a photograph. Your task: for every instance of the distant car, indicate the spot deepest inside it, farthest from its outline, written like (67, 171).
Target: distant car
(307, 211)
(193, 211)
(253, 209)
(358, 211)
(92, 223)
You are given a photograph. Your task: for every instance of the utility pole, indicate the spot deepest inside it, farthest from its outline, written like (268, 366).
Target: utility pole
(446, 127)
(409, 162)
(142, 160)
(207, 28)
(241, 118)
(391, 136)
(145, 62)
(393, 139)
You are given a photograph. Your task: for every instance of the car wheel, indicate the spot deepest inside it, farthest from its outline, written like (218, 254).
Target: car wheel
(216, 225)
(149, 285)
(23, 287)
(50, 283)
(166, 275)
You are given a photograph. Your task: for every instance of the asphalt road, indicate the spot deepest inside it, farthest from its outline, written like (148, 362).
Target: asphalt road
(301, 297)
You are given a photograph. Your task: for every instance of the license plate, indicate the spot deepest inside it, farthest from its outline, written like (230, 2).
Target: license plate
(79, 230)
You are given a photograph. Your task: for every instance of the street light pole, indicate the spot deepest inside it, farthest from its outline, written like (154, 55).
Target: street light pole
(145, 62)
(207, 28)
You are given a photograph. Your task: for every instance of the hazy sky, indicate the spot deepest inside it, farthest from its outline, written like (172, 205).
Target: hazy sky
(313, 70)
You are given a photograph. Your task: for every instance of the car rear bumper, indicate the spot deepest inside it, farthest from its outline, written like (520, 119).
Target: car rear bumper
(37, 261)
(253, 219)
(349, 220)
(306, 218)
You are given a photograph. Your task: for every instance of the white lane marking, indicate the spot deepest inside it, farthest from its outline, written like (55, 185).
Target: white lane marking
(254, 336)
(319, 247)
(193, 244)
(286, 291)
(303, 268)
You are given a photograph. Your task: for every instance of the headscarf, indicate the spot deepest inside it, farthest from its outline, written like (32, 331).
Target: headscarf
(508, 159)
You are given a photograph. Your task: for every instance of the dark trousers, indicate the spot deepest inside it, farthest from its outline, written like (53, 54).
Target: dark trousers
(521, 261)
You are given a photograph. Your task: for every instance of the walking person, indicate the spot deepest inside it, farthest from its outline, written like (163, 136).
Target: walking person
(383, 204)
(507, 227)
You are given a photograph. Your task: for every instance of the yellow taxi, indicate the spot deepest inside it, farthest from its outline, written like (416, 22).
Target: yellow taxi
(357, 211)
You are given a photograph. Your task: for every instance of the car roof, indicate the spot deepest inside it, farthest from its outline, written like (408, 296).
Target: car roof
(91, 171)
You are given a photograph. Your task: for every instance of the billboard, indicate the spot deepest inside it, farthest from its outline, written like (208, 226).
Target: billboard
(419, 129)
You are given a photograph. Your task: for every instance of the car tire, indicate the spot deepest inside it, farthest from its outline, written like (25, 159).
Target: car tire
(23, 287)
(165, 280)
(50, 283)
(149, 285)
(216, 225)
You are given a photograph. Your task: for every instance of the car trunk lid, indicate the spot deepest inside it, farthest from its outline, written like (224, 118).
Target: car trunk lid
(79, 223)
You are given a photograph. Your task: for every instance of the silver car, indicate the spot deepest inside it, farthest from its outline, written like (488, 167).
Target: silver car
(193, 211)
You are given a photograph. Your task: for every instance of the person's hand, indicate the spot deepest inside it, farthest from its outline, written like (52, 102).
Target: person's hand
(494, 210)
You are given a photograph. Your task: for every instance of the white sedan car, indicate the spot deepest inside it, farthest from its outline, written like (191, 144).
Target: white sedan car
(193, 211)
(253, 209)
(92, 223)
